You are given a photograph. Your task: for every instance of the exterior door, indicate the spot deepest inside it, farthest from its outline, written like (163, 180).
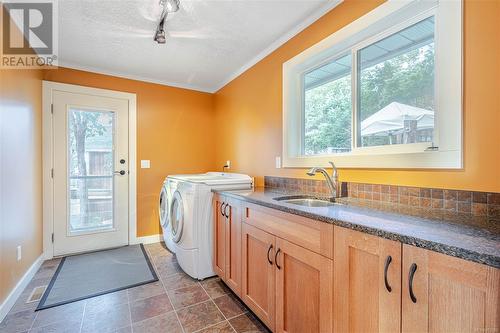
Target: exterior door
(304, 290)
(447, 294)
(367, 282)
(90, 172)
(258, 273)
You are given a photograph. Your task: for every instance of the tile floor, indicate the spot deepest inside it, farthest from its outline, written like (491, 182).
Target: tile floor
(176, 303)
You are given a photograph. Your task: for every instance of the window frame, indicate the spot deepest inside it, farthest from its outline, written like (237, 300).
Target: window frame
(336, 56)
(445, 151)
(409, 147)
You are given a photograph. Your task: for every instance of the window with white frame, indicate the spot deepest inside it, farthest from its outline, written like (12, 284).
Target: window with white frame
(385, 91)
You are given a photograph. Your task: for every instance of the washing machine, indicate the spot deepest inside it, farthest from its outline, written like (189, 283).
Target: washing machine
(189, 231)
(167, 189)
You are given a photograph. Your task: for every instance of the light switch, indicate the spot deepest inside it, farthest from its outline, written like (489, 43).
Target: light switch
(145, 164)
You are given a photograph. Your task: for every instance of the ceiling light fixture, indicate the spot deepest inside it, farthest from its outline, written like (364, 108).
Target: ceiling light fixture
(169, 6)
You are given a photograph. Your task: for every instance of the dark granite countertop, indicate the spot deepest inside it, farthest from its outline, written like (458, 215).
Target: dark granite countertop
(459, 235)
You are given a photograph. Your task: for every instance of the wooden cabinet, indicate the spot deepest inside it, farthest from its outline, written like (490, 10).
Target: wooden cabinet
(447, 294)
(233, 245)
(281, 267)
(304, 289)
(429, 291)
(219, 244)
(227, 241)
(289, 287)
(287, 271)
(258, 273)
(367, 282)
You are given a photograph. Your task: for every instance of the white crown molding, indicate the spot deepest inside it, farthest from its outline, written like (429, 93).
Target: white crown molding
(280, 41)
(96, 70)
(217, 86)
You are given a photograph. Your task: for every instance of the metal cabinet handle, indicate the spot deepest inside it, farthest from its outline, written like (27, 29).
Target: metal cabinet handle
(386, 268)
(222, 209)
(276, 258)
(225, 210)
(413, 269)
(268, 251)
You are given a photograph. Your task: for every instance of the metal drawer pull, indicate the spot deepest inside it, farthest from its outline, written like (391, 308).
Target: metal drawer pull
(268, 251)
(276, 258)
(222, 209)
(413, 269)
(225, 210)
(386, 268)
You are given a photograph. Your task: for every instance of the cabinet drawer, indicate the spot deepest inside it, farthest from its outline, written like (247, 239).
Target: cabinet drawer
(310, 234)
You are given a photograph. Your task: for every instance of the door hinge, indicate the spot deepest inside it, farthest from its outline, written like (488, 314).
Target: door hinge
(52, 108)
(52, 237)
(52, 173)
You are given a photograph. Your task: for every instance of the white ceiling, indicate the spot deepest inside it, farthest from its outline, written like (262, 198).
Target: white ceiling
(209, 42)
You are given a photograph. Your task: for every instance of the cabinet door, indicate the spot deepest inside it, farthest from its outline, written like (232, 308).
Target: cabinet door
(304, 290)
(233, 245)
(219, 245)
(367, 284)
(448, 294)
(258, 273)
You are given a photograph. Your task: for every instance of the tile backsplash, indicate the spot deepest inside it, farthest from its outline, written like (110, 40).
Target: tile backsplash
(468, 202)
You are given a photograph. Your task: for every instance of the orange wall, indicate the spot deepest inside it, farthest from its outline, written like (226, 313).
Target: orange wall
(249, 109)
(175, 130)
(20, 174)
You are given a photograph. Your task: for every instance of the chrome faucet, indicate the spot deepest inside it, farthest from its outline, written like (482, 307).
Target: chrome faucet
(332, 182)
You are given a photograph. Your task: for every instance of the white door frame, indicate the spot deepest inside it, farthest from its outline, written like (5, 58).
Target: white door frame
(48, 156)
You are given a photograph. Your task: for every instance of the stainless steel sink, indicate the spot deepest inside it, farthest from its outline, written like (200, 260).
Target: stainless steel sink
(305, 201)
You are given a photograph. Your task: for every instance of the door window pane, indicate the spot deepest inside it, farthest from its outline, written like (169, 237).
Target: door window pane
(396, 88)
(327, 108)
(91, 166)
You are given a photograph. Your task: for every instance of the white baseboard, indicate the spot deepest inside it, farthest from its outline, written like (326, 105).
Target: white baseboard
(148, 239)
(20, 286)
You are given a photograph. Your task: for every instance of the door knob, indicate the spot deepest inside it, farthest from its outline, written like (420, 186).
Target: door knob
(121, 172)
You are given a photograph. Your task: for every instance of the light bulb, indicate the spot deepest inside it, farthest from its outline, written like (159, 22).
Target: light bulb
(171, 5)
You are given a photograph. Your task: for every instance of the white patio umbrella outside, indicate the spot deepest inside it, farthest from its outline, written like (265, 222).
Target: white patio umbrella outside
(391, 118)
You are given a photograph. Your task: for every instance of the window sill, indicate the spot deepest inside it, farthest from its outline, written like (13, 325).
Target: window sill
(421, 160)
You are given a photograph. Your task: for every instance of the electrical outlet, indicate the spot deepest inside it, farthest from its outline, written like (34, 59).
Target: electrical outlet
(145, 164)
(278, 162)
(19, 253)
(228, 163)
